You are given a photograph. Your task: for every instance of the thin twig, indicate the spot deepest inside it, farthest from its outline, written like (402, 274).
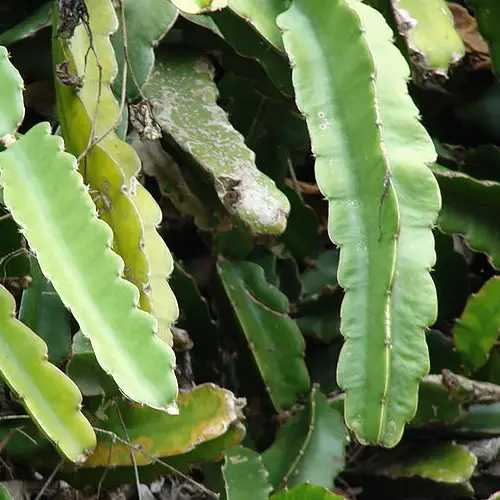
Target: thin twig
(249, 139)
(7, 467)
(3, 443)
(103, 477)
(92, 141)
(26, 435)
(295, 181)
(20, 429)
(14, 417)
(161, 462)
(49, 479)
(126, 53)
(6, 440)
(350, 491)
(295, 464)
(12, 255)
(132, 454)
(129, 63)
(99, 90)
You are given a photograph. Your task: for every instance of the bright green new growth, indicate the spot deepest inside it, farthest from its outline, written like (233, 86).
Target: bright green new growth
(430, 33)
(371, 156)
(184, 98)
(199, 6)
(11, 95)
(48, 199)
(50, 397)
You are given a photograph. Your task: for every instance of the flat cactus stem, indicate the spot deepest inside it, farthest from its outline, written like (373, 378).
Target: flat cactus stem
(430, 34)
(245, 477)
(371, 165)
(48, 199)
(162, 303)
(274, 340)
(11, 96)
(88, 111)
(206, 413)
(51, 398)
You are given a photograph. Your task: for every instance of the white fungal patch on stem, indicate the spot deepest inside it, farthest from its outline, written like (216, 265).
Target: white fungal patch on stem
(184, 99)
